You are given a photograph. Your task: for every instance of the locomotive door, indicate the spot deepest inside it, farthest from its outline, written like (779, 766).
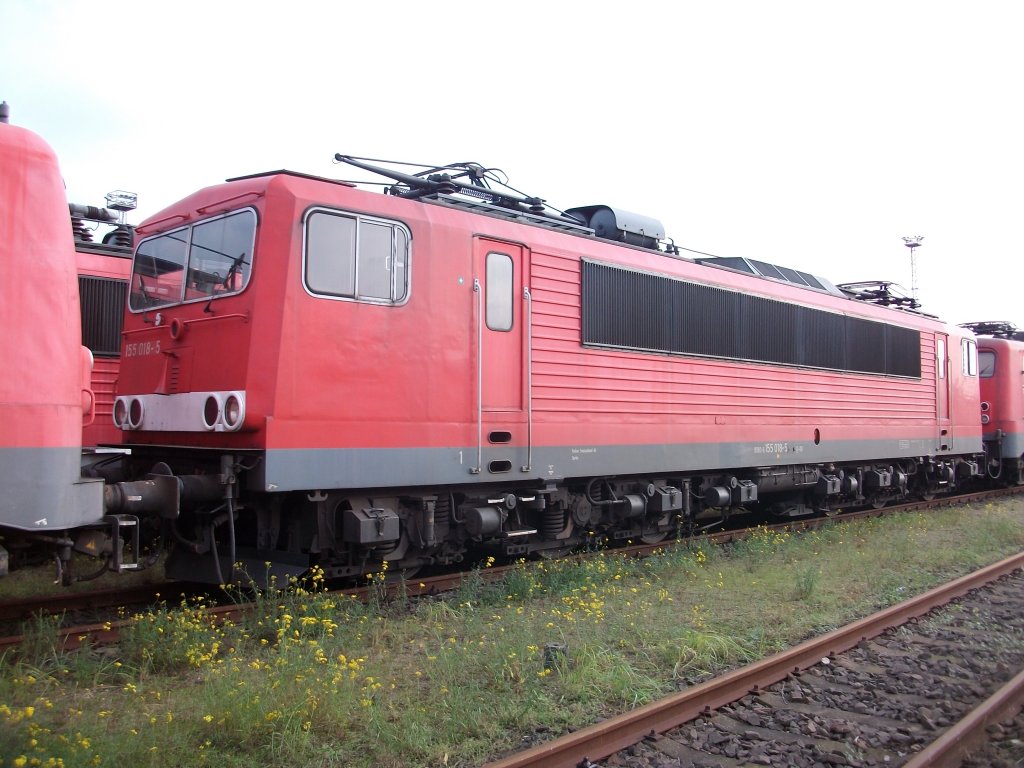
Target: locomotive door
(942, 377)
(502, 340)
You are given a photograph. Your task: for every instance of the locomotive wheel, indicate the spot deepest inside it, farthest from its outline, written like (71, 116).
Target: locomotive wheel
(877, 502)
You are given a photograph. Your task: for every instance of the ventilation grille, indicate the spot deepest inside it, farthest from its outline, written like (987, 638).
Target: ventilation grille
(103, 301)
(635, 310)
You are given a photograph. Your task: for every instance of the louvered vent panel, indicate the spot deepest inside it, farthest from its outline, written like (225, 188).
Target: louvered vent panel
(635, 310)
(903, 351)
(103, 301)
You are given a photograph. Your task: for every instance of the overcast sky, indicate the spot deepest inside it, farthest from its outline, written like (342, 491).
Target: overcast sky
(809, 134)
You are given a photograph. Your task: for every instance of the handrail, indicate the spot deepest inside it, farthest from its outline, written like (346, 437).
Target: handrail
(528, 298)
(478, 290)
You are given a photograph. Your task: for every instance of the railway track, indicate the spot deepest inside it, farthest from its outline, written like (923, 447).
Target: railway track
(69, 602)
(105, 607)
(981, 739)
(875, 693)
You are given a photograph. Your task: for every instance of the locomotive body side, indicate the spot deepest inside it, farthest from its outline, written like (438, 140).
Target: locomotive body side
(333, 375)
(1002, 395)
(374, 378)
(730, 410)
(44, 392)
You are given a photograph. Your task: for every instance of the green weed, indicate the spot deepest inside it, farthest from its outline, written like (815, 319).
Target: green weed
(321, 679)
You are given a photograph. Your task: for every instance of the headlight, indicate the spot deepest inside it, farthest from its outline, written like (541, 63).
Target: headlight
(135, 413)
(234, 412)
(120, 413)
(211, 411)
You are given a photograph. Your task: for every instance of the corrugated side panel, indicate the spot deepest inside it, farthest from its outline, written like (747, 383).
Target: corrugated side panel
(571, 378)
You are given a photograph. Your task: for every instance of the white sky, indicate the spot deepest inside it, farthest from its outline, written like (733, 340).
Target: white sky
(812, 134)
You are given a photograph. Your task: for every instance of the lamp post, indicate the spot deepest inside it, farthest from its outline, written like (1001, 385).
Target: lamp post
(912, 243)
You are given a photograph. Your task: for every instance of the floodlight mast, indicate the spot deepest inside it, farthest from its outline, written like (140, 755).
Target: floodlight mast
(912, 243)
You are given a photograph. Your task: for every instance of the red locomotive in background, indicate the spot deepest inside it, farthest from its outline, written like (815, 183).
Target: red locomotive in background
(62, 305)
(45, 393)
(1001, 369)
(314, 373)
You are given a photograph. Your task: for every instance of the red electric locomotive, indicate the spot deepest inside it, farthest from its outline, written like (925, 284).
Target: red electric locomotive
(44, 391)
(1001, 368)
(336, 376)
(48, 402)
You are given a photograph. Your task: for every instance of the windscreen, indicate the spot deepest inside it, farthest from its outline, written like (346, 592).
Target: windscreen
(203, 261)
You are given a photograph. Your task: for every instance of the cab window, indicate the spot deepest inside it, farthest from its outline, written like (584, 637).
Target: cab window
(499, 292)
(354, 257)
(986, 363)
(200, 262)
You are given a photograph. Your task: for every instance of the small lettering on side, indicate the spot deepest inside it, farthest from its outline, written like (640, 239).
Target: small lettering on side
(142, 348)
(577, 452)
(777, 448)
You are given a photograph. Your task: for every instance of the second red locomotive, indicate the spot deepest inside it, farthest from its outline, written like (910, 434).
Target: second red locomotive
(1001, 368)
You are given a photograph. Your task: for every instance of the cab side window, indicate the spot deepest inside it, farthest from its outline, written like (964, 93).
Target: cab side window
(354, 257)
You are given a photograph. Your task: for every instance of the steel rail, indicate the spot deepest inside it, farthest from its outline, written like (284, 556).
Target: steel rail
(967, 735)
(61, 602)
(107, 633)
(598, 741)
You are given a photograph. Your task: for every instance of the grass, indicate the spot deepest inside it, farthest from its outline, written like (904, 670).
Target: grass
(322, 680)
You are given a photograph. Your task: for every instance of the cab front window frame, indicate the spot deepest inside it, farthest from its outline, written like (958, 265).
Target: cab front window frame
(200, 262)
